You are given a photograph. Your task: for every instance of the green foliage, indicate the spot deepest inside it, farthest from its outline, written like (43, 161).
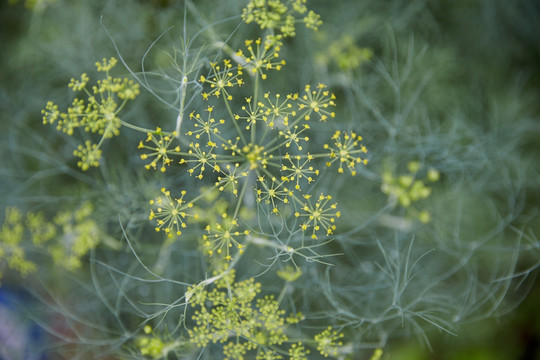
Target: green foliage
(35, 5)
(223, 203)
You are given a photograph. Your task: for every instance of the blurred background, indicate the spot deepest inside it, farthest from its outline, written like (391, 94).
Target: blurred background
(455, 84)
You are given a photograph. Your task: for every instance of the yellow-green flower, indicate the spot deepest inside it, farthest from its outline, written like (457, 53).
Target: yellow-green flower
(222, 79)
(298, 351)
(329, 342)
(89, 153)
(99, 114)
(222, 237)
(347, 151)
(263, 57)
(78, 234)
(11, 248)
(170, 213)
(229, 178)
(292, 136)
(296, 171)
(254, 113)
(273, 193)
(279, 111)
(319, 217)
(409, 188)
(160, 150)
(280, 16)
(208, 127)
(317, 101)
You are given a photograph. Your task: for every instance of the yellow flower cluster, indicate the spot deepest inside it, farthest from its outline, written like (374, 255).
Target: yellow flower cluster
(78, 234)
(342, 52)
(222, 237)
(347, 151)
(264, 143)
(151, 345)
(317, 101)
(159, 151)
(321, 216)
(67, 238)
(264, 57)
(329, 342)
(280, 16)
(89, 154)
(408, 188)
(11, 248)
(98, 114)
(170, 213)
(222, 79)
(235, 307)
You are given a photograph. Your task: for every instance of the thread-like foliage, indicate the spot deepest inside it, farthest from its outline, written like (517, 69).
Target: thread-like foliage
(264, 185)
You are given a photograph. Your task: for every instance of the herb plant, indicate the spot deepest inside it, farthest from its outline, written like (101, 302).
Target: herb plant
(223, 206)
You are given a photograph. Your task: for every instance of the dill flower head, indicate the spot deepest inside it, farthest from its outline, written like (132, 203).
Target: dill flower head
(267, 141)
(280, 16)
(409, 188)
(222, 79)
(329, 342)
(98, 114)
(346, 151)
(89, 155)
(319, 216)
(170, 214)
(160, 149)
(317, 101)
(12, 251)
(233, 306)
(222, 237)
(260, 145)
(79, 234)
(265, 56)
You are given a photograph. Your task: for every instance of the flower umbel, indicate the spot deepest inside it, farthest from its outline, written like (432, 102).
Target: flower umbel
(160, 150)
(273, 193)
(231, 313)
(253, 113)
(170, 213)
(346, 151)
(317, 101)
(321, 216)
(207, 127)
(80, 234)
(263, 57)
(280, 16)
(297, 171)
(329, 342)
(407, 189)
(222, 79)
(222, 237)
(279, 111)
(11, 250)
(98, 115)
(90, 155)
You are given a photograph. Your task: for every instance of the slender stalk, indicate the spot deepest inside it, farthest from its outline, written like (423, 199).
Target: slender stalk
(234, 120)
(240, 198)
(183, 88)
(255, 99)
(135, 127)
